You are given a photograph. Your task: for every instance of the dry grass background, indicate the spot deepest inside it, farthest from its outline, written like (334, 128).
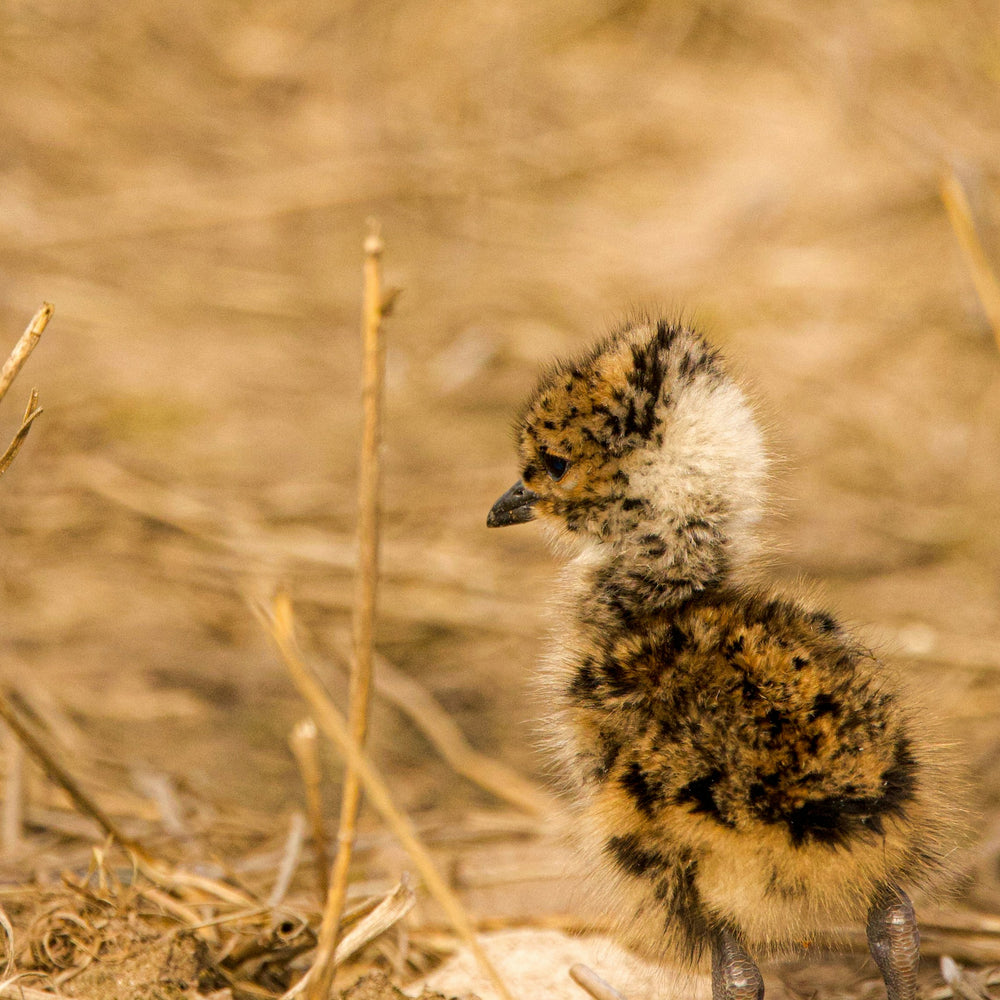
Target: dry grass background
(189, 184)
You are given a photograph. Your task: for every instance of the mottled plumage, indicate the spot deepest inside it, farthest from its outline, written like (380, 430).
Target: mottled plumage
(746, 773)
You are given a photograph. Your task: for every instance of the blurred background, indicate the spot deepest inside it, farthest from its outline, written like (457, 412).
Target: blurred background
(189, 184)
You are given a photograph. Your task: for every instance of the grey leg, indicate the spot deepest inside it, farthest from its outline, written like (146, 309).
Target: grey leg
(734, 974)
(895, 942)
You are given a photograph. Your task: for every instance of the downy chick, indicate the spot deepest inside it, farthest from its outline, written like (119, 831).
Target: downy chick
(743, 770)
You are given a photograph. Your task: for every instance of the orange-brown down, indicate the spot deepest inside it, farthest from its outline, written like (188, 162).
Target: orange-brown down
(745, 774)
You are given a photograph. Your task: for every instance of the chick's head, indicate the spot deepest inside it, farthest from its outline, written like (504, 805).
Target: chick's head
(645, 432)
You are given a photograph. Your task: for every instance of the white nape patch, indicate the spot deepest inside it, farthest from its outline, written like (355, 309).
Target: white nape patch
(712, 457)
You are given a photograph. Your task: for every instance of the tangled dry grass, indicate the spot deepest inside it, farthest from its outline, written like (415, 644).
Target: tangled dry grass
(189, 184)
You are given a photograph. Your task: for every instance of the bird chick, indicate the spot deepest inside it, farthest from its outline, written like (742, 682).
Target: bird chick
(746, 772)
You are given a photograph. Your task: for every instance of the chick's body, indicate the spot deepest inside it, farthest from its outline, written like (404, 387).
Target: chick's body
(745, 771)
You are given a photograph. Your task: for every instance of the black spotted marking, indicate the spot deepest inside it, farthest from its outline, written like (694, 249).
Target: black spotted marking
(690, 364)
(834, 820)
(668, 729)
(785, 887)
(632, 858)
(776, 722)
(734, 647)
(611, 420)
(666, 334)
(686, 912)
(611, 748)
(698, 527)
(616, 680)
(824, 622)
(585, 684)
(674, 639)
(824, 704)
(699, 794)
(645, 794)
(899, 781)
(646, 378)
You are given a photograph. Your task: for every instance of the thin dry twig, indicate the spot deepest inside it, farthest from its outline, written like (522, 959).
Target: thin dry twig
(8, 930)
(18, 356)
(24, 347)
(160, 789)
(423, 709)
(155, 870)
(281, 628)
(590, 981)
(988, 977)
(57, 773)
(32, 411)
(364, 614)
(12, 809)
(178, 880)
(389, 911)
(977, 946)
(963, 984)
(289, 859)
(957, 206)
(965, 922)
(306, 752)
(179, 911)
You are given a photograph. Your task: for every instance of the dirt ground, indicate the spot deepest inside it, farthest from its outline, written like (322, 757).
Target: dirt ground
(189, 184)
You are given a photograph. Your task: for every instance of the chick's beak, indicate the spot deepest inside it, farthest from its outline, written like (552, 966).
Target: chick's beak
(514, 507)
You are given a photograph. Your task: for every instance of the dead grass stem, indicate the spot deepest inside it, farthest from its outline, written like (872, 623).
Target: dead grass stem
(289, 860)
(58, 774)
(14, 363)
(590, 981)
(959, 211)
(25, 345)
(321, 977)
(31, 411)
(423, 709)
(280, 624)
(12, 808)
(304, 748)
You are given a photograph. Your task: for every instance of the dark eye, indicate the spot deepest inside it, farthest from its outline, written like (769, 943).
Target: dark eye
(554, 465)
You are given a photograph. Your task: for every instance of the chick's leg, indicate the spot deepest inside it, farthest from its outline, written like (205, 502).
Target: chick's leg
(895, 942)
(734, 974)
